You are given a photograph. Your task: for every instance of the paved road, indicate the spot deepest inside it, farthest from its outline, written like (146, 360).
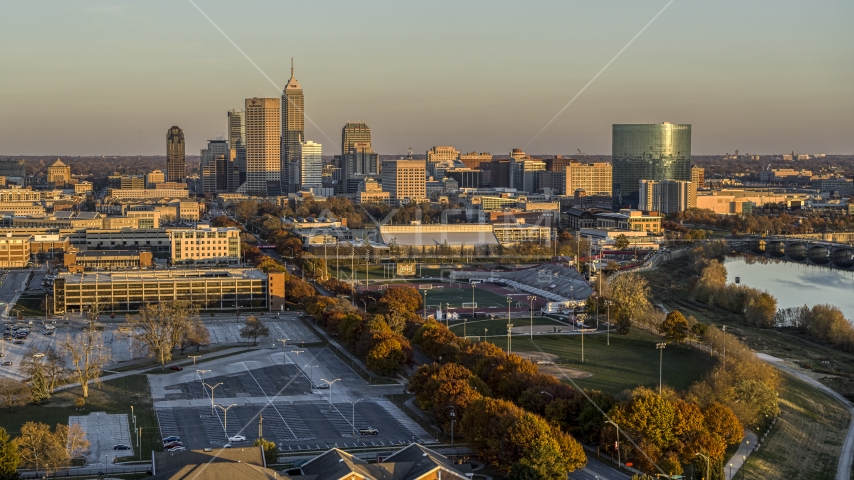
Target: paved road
(597, 470)
(843, 470)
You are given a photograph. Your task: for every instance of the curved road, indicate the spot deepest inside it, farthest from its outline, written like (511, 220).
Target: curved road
(843, 470)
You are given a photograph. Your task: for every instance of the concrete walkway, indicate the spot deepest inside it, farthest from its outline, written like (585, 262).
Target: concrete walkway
(184, 363)
(843, 470)
(748, 443)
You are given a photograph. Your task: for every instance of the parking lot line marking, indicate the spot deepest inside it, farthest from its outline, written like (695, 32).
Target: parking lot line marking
(269, 402)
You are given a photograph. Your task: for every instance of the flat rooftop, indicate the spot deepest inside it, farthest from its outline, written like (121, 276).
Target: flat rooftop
(161, 275)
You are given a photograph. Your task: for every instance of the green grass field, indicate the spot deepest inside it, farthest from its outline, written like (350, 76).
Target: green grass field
(629, 361)
(457, 296)
(114, 396)
(499, 326)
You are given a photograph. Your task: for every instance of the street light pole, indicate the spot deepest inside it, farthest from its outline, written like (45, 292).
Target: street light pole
(330, 390)
(212, 395)
(453, 420)
(194, 357)
(617, 443)
(508, 309)
(354, 414)
(311, 378)
(472, 305)
(707, 463)
(660, 348)
(425, 304)
(225, 414)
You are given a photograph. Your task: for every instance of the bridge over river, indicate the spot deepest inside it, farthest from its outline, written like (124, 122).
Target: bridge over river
(802, 250)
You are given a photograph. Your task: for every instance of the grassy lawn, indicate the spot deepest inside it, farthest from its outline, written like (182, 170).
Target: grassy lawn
(630, 361)
(671, 284)
(807, 439)
(30, 306)
(114, 396)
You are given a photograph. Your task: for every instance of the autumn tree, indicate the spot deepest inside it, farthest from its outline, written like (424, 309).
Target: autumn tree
(760, 309)
(621, 242)
(196, 335)
(406, 299)
(35, 445)
(271, 451)
(39, 387)
(296, 289)
(630, 294)
(9, 458)
(268, 264)
(388, 356)
(674, 327)
(254, 328)
(159, 327)
(245, 210)
(12, 393)
(87, 354)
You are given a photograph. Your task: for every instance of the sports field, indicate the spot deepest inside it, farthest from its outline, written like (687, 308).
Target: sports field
(457, 296)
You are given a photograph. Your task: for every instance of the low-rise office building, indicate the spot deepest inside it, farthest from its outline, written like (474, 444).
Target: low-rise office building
(514, 234)
(130, 290)
(14, 250)
(205, 245)
(629, 219)
(49, 245)
(125, 193)
(77, 262)
(23, 208)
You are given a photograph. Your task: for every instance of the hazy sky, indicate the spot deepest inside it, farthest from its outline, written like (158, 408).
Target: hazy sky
(103, 77)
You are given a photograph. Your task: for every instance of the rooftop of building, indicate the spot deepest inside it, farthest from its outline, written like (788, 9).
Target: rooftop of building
(161, 275)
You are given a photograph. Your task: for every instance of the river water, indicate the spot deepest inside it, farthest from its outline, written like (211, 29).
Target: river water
(795, 284)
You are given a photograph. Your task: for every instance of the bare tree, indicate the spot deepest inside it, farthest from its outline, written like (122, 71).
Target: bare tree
(160, 327)
(253, 329)
(70, 443)
(88, 355)
(35, 445)
(54, 368)
(12, 393)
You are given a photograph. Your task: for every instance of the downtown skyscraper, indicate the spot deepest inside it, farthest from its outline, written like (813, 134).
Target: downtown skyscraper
(263, 160)
(292, 134)
(176, 162)
(659, 151)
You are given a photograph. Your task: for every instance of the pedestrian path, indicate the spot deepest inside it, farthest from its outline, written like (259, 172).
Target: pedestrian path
(748, 443)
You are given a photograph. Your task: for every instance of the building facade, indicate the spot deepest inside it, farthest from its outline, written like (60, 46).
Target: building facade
(58, 174)
(443, 154)
(474, 159)
(176, 162)
(210, 245)
(236, 149)
(353, 133)
(593, 178)
(311, 165)
(224, 289)
(292, 133)
(648, 152)
(405, 180)
(666, 196)
(214, 167)
(154, 177)
(263, 145)
(14, 250)
(698, 176)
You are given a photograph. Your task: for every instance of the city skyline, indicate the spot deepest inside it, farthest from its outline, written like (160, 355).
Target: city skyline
(760, 78)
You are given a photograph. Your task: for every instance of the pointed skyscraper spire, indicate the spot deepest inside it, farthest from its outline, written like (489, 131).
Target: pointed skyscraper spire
(292, 67)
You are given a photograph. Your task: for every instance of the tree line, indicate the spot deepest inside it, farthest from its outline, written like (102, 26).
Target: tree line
(41, 448)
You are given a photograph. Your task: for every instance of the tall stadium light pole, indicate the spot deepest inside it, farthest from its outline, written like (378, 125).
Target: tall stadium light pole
(425, 304)
(532, 299)
(212, 395)
(660, 348)
(472, 303)
(337, 263)
(508, 309)
(509, 338)
(608, 319)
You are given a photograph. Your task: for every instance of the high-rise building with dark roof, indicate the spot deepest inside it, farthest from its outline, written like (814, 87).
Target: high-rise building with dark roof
(293, 133)
(176, 163)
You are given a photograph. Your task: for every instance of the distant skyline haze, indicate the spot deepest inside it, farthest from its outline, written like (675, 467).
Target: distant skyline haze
(109, 78)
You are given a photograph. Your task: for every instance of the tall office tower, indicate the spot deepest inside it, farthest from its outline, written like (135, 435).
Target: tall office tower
(176, 163)
(214, 167)
(593, 178)
(474, 159)
(311, 165)
(405, 180)
(499, 175)
(353, 133)
(698, 176)
(666, 196)
(517, 154)
(648, 152)
(293, 133)
(524, 176)
(360, 161)
(263, 160)
(236, 169)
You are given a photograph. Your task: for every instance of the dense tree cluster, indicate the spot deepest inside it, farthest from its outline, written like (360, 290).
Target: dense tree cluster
(772, 219)
(823, 322)
(759, 307)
